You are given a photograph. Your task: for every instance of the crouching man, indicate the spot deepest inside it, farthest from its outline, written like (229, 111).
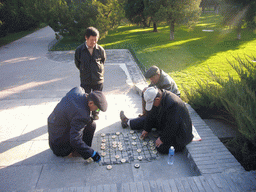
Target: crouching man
(169, 115)
(70, 127)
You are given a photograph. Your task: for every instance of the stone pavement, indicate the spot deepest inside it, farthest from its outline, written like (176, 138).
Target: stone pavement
(33, 80)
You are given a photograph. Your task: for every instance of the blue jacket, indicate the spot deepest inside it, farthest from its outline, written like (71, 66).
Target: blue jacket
(68, 120)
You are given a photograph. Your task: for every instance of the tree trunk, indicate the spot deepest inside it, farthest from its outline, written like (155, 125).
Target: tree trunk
(238, 31)
(155, 27)
(238, 36)
(172, 31)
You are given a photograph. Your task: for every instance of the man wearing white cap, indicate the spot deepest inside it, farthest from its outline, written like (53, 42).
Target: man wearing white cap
(169, 115)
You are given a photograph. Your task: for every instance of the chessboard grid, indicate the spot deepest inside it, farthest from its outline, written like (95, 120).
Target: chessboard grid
(130, 151)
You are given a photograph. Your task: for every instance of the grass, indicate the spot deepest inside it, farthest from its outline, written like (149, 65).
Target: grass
(187, 58)
(15, 36)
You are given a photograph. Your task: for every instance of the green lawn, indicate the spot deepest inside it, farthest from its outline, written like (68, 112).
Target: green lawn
(187, 58)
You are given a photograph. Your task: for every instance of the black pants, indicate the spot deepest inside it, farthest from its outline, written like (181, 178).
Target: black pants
(89, 88)
(64, 149)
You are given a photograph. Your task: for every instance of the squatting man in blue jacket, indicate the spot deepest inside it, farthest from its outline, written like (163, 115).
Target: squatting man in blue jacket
(169, 115)
(70, 126)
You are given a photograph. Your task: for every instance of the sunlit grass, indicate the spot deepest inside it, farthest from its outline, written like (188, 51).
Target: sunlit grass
(190, 56)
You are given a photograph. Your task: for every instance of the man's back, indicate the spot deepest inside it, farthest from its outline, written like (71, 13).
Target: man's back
(167, 83)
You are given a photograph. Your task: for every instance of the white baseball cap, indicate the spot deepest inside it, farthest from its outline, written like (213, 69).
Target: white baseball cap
(149, 97)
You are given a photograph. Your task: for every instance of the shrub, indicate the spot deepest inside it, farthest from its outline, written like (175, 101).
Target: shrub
(16, 16)
(234, 98)
(72, 19)
(237, 99)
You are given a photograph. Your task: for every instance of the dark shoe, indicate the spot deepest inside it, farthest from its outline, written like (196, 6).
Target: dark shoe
(124, 120)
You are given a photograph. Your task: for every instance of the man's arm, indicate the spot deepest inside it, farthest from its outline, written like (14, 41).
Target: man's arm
(77, 58)
(104, 57)
(170, 126)
(76, 137)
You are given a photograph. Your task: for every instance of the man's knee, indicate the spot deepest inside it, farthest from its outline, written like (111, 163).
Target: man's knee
(164, 149)
(61, 150)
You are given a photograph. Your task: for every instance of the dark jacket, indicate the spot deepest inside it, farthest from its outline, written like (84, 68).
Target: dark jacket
(172, 119)
(68, 120)
(91, 67)
(167, 83)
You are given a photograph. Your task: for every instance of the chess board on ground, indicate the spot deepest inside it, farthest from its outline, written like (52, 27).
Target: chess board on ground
(120, 148)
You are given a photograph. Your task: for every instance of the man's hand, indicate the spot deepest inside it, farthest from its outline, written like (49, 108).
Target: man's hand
(158, 142)
(144, 134)
(96, 157)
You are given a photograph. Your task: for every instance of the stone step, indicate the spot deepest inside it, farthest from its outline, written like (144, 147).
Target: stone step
(233, 181)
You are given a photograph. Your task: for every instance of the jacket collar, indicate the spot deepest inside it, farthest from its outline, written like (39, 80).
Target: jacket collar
(86, 47)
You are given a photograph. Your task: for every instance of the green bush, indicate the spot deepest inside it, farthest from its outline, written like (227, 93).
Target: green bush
(246, 71)
(234, 98)
(16, 16)
(243, 150)
(72, 19)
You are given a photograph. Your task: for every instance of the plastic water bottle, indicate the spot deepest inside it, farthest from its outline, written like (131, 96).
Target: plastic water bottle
(171, 156)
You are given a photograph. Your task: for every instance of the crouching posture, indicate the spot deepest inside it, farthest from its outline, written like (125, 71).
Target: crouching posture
(169, 115)
(70, 127)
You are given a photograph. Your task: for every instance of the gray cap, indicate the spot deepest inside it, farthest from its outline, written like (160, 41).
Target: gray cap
(152, 71)
(99, 99)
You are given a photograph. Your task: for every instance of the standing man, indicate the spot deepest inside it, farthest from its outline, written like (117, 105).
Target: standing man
(70, 126)
(169, 115)
(90, 59)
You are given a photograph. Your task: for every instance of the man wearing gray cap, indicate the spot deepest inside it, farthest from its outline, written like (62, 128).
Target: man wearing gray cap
(161, 80)
(70, 125)
(169, 115)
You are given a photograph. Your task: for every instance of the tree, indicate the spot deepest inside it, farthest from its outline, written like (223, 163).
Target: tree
(151, 10)
(209, 3)
(134, 12)
(72, 17)
(16, 15)
(238, 13)
(180, 12)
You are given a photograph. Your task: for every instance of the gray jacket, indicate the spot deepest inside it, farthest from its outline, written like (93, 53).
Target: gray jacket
(167, 83)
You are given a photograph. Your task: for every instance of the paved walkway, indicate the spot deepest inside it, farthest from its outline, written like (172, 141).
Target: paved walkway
(33, 80)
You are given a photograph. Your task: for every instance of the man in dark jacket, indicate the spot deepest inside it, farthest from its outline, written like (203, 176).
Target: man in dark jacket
(70, 126)
(169, 115)
(159, 79)
(90, 59)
